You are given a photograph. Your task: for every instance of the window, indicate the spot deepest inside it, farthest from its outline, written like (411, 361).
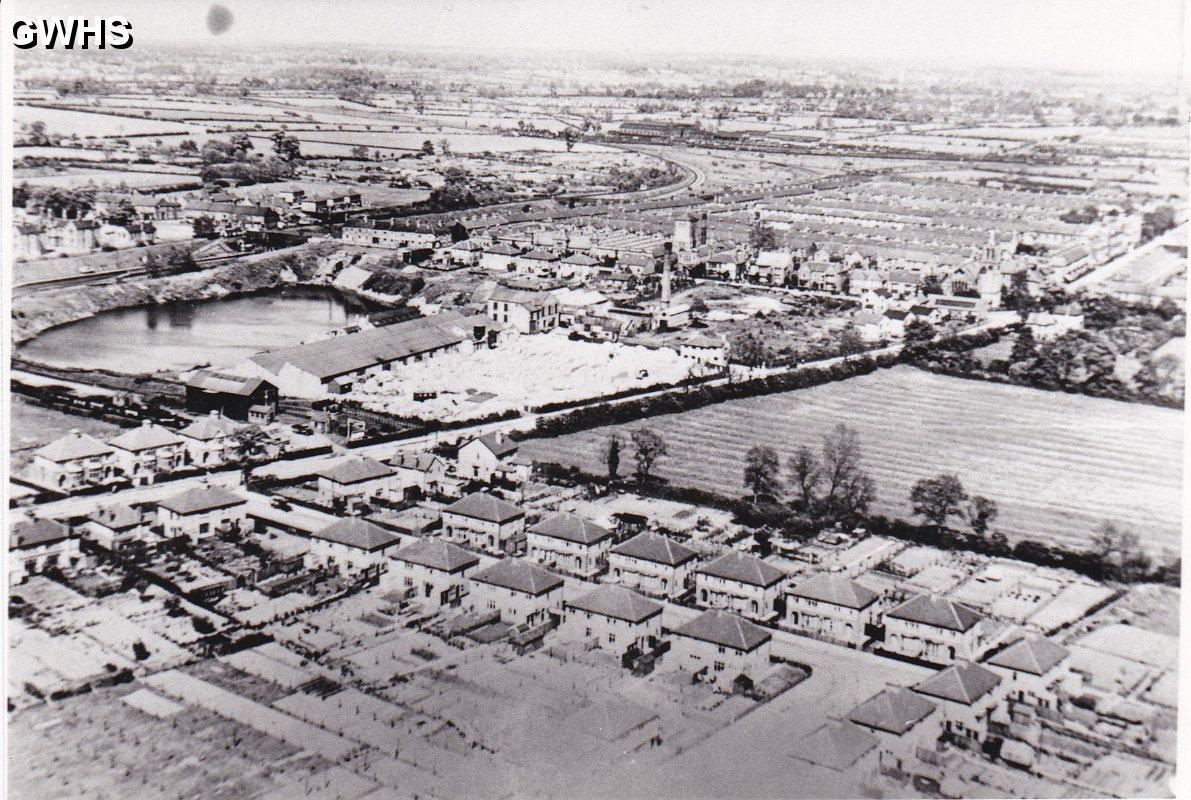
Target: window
(491, 604)
(718, 666)
(409, 582)
(611, 637)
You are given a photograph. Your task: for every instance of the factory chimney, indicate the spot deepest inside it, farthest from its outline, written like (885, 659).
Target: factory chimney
(667, 258)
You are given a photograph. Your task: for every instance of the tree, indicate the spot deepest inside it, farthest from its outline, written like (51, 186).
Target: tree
(981, 513)
(841, 471)
(938, 499)
(762, 237)
(286, 147)
(804, 477)
(427, 148)
(139, 650)
(444, 146)
(850, 342)
(612, 456)
(648, 448)
(188, 147)
(1119, 549)
(762, 472)
(918, 337)
(1025, 348)
(204, 227)
(359, 151)
(37, 134)
(1016, 296)
(241, 144)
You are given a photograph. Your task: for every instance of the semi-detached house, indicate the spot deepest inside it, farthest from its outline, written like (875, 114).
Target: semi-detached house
(740, 582)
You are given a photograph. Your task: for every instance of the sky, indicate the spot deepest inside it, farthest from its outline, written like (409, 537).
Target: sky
(1094, 35)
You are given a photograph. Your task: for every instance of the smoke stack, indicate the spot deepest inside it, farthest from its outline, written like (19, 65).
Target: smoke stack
(667, 256)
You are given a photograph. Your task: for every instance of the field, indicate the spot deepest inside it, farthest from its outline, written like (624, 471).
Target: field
(1058, 465)
(104, 178)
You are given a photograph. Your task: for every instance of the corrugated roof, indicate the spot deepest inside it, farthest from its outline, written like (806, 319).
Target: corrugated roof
(962, 682)
(146, 437)
(895, 710)
(839, 590)
(721, 627)
(202, 498)
(437, 554)
(480, 505)
(743, 568)
(656, 547)
(1036, 656)
(357, 532)
(938, 612)
(617, 602)
(519, 575)
(571, 528)
(71, 446)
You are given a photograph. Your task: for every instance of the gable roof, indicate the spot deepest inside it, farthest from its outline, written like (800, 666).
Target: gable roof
(224, 383)
(35, 532)
(487, 507)
(499, 444)
(894, 710)
(827, 587)
(71, 446)
(743, 568)
(656, 547)
(721, 627)
(836, 745)
(437, 554)
(938, 612)
(146, 437)
(422, 462)
(618, 602)
(1036, 656)
(519, 575)
(202, 498)
(356, 532)
(962, 682)
(354, 470)
(571, 528)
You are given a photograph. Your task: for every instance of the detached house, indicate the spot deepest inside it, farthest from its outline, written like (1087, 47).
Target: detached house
(354, 480)
(38, 544)
(523, 593)
(966, 694)
(72, 462)
(740, 582)
(212, 441)
(485, 457)
(116, 528)
(719, 647)
(144, 453)
(934, 629)
(569, 543)
(524, 311)
(831, 606)
(614, 618)
(430, 571)
(202, 512)
(1032, 668)
(485, 522)
(652, 563)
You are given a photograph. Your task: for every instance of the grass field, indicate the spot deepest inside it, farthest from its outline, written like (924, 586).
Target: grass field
(1057, 464)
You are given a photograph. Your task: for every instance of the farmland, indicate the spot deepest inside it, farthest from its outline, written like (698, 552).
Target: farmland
(1058, 465)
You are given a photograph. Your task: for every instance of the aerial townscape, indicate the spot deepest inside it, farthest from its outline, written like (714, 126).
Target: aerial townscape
(398, 421)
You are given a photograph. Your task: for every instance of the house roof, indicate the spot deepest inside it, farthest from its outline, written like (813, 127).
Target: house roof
(213, 426)
(522, 297)
(146, 437)
(71, 446)
(656, 547)
(962, 682)
(519, 575)
(503, 250)
(895, 710)
(118, 517)
(836, 589)
(499, 444)
(572, 528)
(836, 745)
(354, 470)
(35, 532)
(743, 568)
(904, 276)
(721, 627)
(358, 533)
(202, 498)
(618, 602)
(480, 505)
(423, 462)
(540, 255)
(580, 259)
(610, 719)
(1035, 655)
(938, 612)
(225, 384)
(437, 554)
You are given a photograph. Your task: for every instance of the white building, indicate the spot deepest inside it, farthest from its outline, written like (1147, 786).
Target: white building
(718, 647)
(352, 545)
(72, 462)
(1032, 669)
(354, 480)
(705, 350)
(38, 544)
(202, 512)
(212, 441)
(485, 522)
(831, 606)
(423, 471)
(486, 456)
(614, 618)
(902, 721)
(522, 593)
(934, 629)
(524, 311)
(966, 694)
(652, 563)
(569, 543)
(430, 571)
(116, 528)
(147, 452)
(740, 582)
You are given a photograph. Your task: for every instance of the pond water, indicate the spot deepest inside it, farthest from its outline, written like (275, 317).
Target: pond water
(181, 335)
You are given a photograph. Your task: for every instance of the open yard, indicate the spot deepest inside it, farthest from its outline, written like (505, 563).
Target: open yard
(1057, 464)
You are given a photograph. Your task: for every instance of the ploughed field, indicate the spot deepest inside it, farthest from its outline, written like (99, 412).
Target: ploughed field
(1057, 465)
